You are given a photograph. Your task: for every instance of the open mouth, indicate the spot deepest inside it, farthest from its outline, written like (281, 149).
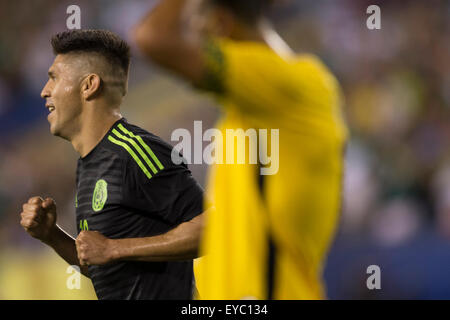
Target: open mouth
(50, 108)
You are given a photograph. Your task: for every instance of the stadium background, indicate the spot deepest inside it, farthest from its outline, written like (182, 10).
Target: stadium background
(396, 81)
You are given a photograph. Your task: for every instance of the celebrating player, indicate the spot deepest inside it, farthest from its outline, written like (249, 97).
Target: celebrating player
(139, 216)
(269, 235)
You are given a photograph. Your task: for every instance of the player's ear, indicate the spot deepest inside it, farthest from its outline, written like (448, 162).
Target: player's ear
(90, 86)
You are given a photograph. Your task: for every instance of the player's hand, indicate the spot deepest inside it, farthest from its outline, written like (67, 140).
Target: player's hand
(93, 248)
(38, 217)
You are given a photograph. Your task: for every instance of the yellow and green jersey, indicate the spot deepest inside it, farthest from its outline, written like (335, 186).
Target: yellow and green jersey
(268, 236)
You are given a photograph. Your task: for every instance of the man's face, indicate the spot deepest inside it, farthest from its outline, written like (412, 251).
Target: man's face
(63, 96)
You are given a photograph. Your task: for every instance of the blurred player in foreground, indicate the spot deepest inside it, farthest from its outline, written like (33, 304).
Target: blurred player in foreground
(136, 211)
(269, 235)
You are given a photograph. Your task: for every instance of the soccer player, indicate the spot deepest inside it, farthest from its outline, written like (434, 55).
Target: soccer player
(269, 235)
(139, 216)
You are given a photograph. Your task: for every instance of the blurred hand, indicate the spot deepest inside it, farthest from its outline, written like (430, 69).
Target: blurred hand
(93, 248)
(38, 217)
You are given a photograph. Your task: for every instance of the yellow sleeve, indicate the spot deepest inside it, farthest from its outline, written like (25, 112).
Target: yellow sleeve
(253, 77)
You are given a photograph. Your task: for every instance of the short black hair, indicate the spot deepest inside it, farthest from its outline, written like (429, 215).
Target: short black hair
(103, 42)
(248, 11)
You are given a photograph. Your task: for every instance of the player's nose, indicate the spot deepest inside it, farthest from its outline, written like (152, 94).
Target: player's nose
(45, 93)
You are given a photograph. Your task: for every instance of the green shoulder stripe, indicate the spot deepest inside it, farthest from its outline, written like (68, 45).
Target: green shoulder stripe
(135, 145)
(143, 144)
(131, 152)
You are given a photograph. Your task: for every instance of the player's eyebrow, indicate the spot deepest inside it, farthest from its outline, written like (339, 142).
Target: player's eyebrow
(51, 74)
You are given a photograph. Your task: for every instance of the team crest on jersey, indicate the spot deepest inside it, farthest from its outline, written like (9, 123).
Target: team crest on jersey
(100, 195)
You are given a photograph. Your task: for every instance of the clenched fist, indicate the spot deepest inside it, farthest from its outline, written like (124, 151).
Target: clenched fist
(93, 248)
(38, 217)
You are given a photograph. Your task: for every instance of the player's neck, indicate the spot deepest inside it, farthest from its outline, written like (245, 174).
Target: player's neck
(274, 40)
(245, 32)
(93, 127)
(248, 35)
(263, 32)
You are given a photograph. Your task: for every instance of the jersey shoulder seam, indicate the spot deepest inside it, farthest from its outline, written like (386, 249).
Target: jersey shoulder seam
(135, 147)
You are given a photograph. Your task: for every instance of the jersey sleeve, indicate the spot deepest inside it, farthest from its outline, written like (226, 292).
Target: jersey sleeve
(251, 76)
(170, 194)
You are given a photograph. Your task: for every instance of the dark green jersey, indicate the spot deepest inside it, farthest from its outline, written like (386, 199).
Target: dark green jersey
(128, 187)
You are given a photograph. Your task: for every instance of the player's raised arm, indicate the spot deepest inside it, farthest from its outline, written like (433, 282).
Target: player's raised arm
(229, 48)
(166, 37)
(38, 218)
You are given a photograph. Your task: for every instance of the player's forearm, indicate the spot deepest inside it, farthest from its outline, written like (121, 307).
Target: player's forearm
(64, 245)
(167, 38)
(163, 32)
(181, 243)
(165, 19)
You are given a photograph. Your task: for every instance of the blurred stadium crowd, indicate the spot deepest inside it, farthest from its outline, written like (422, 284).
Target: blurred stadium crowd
(396, 81)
